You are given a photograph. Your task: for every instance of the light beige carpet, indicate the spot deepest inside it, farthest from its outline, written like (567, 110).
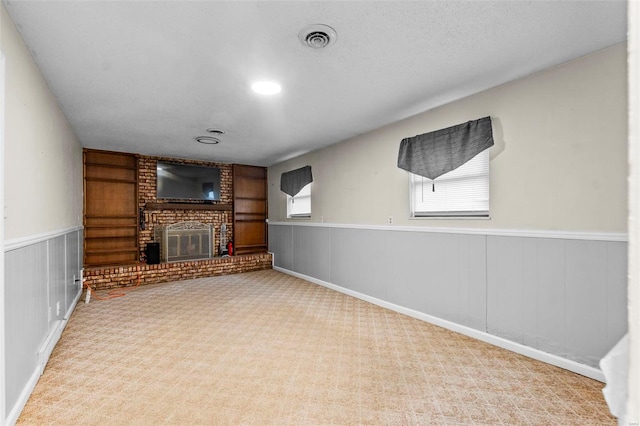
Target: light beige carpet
(267, 348)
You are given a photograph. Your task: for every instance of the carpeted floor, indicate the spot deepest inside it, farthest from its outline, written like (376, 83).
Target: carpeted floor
(267, 348)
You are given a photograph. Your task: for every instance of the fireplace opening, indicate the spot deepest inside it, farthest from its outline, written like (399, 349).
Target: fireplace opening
(185, 241)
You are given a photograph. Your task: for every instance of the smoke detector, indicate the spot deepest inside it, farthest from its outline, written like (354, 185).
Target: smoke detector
(317, 36)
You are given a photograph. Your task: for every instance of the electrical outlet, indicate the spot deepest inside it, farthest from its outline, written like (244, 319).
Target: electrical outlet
(390, 220)
(58, 309)
(49, 320)
(321, 219)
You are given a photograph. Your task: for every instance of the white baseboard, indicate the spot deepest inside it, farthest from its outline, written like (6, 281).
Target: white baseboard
(521, 349)
(54, 335)
(12, 416)
(44, 352)
(67, 314)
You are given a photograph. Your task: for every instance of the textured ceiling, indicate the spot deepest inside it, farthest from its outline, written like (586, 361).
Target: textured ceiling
(150, 76)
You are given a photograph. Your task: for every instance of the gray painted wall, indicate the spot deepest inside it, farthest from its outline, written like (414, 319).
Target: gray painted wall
(39, 277)
(563, 296)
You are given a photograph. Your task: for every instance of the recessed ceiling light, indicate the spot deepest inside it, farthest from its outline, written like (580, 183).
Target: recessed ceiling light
(208, 140)
(215, 131)
(266, 87)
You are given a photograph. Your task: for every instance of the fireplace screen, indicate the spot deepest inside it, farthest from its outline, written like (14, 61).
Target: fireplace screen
(185, 241)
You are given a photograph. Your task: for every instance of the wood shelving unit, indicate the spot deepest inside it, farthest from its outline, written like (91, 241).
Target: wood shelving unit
(249, 209)
(110, 208)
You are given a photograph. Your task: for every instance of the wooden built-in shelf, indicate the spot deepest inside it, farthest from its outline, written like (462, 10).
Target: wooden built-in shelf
(110, 238)
(111, 216)
(115, 250)
(110, 180)
(110, 208)
(250, 209)
(111, 166)
(187, 206)
(111, 226)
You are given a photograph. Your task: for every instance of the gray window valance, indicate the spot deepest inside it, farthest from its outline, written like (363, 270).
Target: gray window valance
(436, 153)
(292, 182)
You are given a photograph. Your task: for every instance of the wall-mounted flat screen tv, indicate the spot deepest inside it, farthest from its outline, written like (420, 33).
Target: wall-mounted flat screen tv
(188, 182)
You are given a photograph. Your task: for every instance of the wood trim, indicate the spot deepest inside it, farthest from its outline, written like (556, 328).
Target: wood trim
(119, 216)
(121, 237)
(249, 198)
(188, 206)
(109, 226)
(111, 180)
(110, 166)
(118, 250)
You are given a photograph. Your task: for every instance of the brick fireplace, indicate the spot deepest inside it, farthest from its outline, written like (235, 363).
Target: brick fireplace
(194, 254)
(160, 217)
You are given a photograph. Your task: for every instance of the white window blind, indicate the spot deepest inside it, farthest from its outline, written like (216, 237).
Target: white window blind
(461, 192)
(300, 205)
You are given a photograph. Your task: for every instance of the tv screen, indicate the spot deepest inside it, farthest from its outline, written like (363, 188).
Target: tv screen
(188, 182)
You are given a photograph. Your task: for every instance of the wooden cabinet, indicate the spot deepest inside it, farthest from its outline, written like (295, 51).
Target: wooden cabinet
(249, 209)
(110, 208)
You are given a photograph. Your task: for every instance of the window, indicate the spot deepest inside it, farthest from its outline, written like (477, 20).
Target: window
(461, 192)
(300, 205)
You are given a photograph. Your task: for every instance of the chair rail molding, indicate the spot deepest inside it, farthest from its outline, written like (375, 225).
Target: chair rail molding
(531, 233)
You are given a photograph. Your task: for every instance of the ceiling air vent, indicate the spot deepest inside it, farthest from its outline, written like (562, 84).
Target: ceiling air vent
(208, 140)
(317, 36)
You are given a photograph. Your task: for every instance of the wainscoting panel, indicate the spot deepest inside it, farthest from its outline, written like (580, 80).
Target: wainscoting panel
(39, 295)
(556, 294)
(313, 254)
(411, 285)
(26, 316)
(73, 260)
(359, 261)
(473, 279)
(590, 281)
(505, 287)
(547, 322)
(526, 291)
(617, 315)
(443, 275)
(57, 276)
(281, 245)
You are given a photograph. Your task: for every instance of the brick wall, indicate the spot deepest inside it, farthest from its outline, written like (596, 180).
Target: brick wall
(154, 218)
(126, 276)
